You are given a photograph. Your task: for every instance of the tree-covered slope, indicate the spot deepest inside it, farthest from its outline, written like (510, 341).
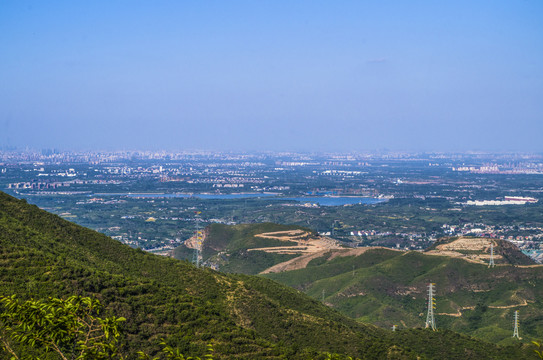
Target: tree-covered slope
(243, 316)
(43, 255)
(386, 288)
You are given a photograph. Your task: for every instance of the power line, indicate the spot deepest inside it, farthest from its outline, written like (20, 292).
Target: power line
(430, 320)
(491, 261)
(515, 328)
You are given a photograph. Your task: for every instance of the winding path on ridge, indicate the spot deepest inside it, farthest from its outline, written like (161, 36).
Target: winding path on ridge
(301, 262)
(308, 246)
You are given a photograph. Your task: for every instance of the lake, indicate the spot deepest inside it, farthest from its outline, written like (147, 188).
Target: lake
(320, 200)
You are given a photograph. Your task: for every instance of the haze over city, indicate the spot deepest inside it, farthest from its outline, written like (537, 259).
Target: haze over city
(281, 75)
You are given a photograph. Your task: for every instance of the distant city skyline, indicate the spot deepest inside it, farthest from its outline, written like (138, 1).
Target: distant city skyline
(272, 76)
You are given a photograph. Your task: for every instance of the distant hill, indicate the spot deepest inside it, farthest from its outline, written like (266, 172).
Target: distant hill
(253, 248)
(388, 287)
(477, 250)
(245, 317)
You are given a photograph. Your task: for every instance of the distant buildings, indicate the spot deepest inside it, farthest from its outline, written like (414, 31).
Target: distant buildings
(530, 168)
(508, 200)
(521, 199)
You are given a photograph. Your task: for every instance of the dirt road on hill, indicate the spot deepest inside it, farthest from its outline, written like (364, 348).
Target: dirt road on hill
(305, 242)
(302, 261)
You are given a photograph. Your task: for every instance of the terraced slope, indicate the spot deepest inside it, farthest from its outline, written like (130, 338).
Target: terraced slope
(477, 250)
(253, 248)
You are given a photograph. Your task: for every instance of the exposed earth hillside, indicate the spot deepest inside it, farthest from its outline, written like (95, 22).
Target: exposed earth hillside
(254, 248)
(478, 250)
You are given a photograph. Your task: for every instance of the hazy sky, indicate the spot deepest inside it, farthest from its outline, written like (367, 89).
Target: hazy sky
(272, 75)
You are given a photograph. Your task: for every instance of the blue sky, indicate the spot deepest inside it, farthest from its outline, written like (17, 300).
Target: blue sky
(272, 75)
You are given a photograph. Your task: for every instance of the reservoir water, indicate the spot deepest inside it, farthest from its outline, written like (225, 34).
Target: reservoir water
(335, 200)
(320, 200)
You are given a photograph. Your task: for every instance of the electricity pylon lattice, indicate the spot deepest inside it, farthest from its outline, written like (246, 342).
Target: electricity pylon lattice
(515, 328)
(430, 320)
(197, 255)
(491, 261)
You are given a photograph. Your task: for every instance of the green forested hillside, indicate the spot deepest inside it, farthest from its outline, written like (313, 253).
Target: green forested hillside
(244, 317)
(386, 287)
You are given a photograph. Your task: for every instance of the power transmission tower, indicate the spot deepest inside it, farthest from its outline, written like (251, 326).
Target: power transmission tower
(515, 329)
(430, 321)
(323, 296)
(197, 255)
(491, 261)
